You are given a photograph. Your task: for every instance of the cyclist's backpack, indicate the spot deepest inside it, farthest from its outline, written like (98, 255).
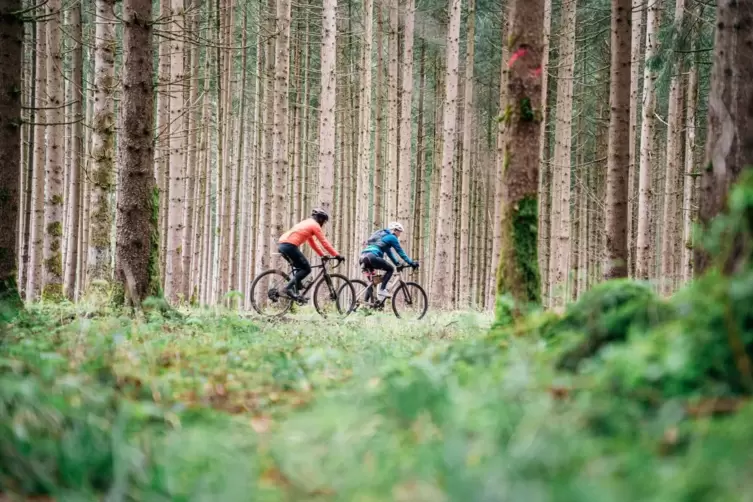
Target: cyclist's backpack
(376, 237)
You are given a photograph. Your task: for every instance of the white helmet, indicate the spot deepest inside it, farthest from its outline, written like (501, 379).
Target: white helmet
(395, 226)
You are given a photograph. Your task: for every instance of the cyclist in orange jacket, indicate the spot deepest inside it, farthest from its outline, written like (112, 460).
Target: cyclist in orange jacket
(308, 230)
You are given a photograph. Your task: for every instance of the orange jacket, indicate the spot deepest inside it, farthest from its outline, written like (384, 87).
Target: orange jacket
(305, 231)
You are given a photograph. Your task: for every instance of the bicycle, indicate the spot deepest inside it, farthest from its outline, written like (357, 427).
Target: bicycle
(405, 295)
(267, 291)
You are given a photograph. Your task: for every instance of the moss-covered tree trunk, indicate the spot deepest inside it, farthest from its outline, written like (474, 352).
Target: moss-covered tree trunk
(54, 170)
(518, 273)
(137, 244)
(11, 38)
(729, 146)
(103, 144)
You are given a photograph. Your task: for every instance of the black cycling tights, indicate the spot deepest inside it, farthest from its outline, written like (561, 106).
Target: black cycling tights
(374, 262)
(303, 268)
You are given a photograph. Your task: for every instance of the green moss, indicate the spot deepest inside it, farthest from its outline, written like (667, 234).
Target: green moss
(55, 229)
(10, 299)
(155, 288)
(53, 292)
(518, 274)
(507, 116)
(54, 265)
(526, 111)
(57, 200)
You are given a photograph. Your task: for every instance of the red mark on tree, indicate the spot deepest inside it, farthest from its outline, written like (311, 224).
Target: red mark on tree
(536, 72)
(517, 55)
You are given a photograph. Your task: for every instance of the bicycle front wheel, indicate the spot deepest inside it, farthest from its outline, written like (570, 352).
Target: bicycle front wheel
(334, 296)
(268, 297)
(409, 301)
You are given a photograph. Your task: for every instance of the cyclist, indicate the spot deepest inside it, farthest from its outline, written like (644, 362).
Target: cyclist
(381, 242)
(308, 230)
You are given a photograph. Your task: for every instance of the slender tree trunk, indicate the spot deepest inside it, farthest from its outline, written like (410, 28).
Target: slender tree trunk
(689, 193)
(36, 261)
(11, 50)
(545, 166)
(393, 106)
(364, 141)
(499, 166)
(518, 270)
(54, 212)
(406, 125)
(560, 228)
(636, 46)
(162, 150)
(103, 147)
(77, 145)
(29, 165)
(137, 251)
(618, 153)
(729, 149)
(419, 219)
(327, 104)
(192, 163)
(444, 259)
(645, 195)
(378, 148)
(280, 135)
(465, 195)
(176, 189)
(265, 200)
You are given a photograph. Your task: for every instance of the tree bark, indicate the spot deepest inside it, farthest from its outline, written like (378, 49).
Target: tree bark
(465, 195)
(77, 147)
(560, 228)
(618, 150)
(444, 259)
(689, 193)
(162, 150)
(137, 244)
(729, 144)
(545, 169)
(645, 195)
(393, 105)
(54, 212)
(281, 133)
(327, 105)
(518, 274)
(103, 144)
(636, 46)
(11, 49)
(406, 125)
(364, 141)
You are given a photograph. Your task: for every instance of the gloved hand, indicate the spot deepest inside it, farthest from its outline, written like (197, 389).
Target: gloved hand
(414, 265)
(340, 258)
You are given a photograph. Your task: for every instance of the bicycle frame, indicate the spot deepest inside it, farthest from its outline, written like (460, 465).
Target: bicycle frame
(395, 282)
(322, 272)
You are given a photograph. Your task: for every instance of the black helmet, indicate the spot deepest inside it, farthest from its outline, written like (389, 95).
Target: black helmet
(319, 214)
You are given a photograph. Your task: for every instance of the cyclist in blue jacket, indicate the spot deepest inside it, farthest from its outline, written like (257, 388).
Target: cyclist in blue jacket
(380, 243)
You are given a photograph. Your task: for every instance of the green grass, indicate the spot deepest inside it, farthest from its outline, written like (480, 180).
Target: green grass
(214, 406)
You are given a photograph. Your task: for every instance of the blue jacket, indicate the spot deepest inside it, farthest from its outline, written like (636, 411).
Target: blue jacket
(385, 245)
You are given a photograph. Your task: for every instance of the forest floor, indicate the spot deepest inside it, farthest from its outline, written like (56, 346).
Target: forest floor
(215, 406)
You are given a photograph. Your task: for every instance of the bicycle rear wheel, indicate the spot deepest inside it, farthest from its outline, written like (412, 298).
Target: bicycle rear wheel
(409, 301)
(362, 296)
(334, 296)
(267, 293)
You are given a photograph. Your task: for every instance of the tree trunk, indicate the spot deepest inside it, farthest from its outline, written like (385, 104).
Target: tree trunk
(327, 106)
(518, 274)
(364, 141)
(378, 133)
(729, 148)
(137, 251)
(645, 195)
(618, 150)
(465, 195)
(36, 260)
(54, 212)
(689, 192)
(162, 150)
(420, 201)
(11, 49)
(280, 134)
(444, 259)
(545, 166)
(406, 126)
(560, 228)
(636, 46)
(103, 144)
(77, 146)
(176, 189)
(393, 105)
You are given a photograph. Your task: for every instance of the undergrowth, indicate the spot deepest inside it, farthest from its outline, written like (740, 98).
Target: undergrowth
(625, 396)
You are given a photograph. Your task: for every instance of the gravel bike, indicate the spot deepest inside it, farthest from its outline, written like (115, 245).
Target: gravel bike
(409, 300)
(334, 295)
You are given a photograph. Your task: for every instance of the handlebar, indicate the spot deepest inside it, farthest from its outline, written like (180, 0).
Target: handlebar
(339, 260)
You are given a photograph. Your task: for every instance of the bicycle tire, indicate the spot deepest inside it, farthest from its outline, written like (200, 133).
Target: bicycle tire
(346, 284)
(286, 302)
(405, 286)
(357, 285)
